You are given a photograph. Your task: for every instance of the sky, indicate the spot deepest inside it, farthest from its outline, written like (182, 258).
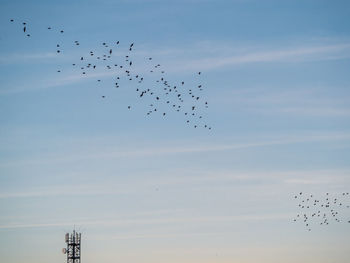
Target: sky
(144, 188)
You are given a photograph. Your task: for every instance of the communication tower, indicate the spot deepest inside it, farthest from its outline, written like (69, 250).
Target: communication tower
(73, 247)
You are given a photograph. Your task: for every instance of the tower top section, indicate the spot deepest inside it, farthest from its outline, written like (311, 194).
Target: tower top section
(73, 241)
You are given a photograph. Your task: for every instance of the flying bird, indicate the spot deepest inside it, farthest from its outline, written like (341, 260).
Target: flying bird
(161, 90)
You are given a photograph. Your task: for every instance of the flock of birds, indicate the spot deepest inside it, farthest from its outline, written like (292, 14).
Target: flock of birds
(164, 95)
(321, 211)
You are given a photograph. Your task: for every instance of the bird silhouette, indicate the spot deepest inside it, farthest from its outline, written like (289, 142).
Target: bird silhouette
(181, 99)
(321, 210)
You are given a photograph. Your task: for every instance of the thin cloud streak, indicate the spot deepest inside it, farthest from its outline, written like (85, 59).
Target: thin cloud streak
(133, 222)
(111, 154)
(27, 57)
(223, 58)
(317, 111)
(304, 100)
(314, 177)
(156, 236)
(284, 55)
(308, 182)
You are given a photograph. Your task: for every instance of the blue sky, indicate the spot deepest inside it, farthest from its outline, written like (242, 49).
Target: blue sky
(153, 189)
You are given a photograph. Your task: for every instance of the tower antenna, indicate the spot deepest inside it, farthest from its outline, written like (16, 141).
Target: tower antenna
(73, 250)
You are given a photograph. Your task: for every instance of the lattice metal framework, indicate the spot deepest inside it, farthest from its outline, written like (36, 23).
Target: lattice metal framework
(73, 251)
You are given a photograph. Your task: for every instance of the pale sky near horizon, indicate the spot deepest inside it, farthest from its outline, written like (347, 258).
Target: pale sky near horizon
(143, 188)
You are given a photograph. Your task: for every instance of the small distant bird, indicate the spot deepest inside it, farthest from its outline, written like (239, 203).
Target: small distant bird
(168, 87)
(11, 20)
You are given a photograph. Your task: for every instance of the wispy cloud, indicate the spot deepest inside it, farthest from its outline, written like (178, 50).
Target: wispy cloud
(317, 111)
(292, 54)
(154, 221)
(66, 190)
(111, 153)
(150, 182)
(309, 181)
(315, 101)
(27, 57)
(210, 56)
